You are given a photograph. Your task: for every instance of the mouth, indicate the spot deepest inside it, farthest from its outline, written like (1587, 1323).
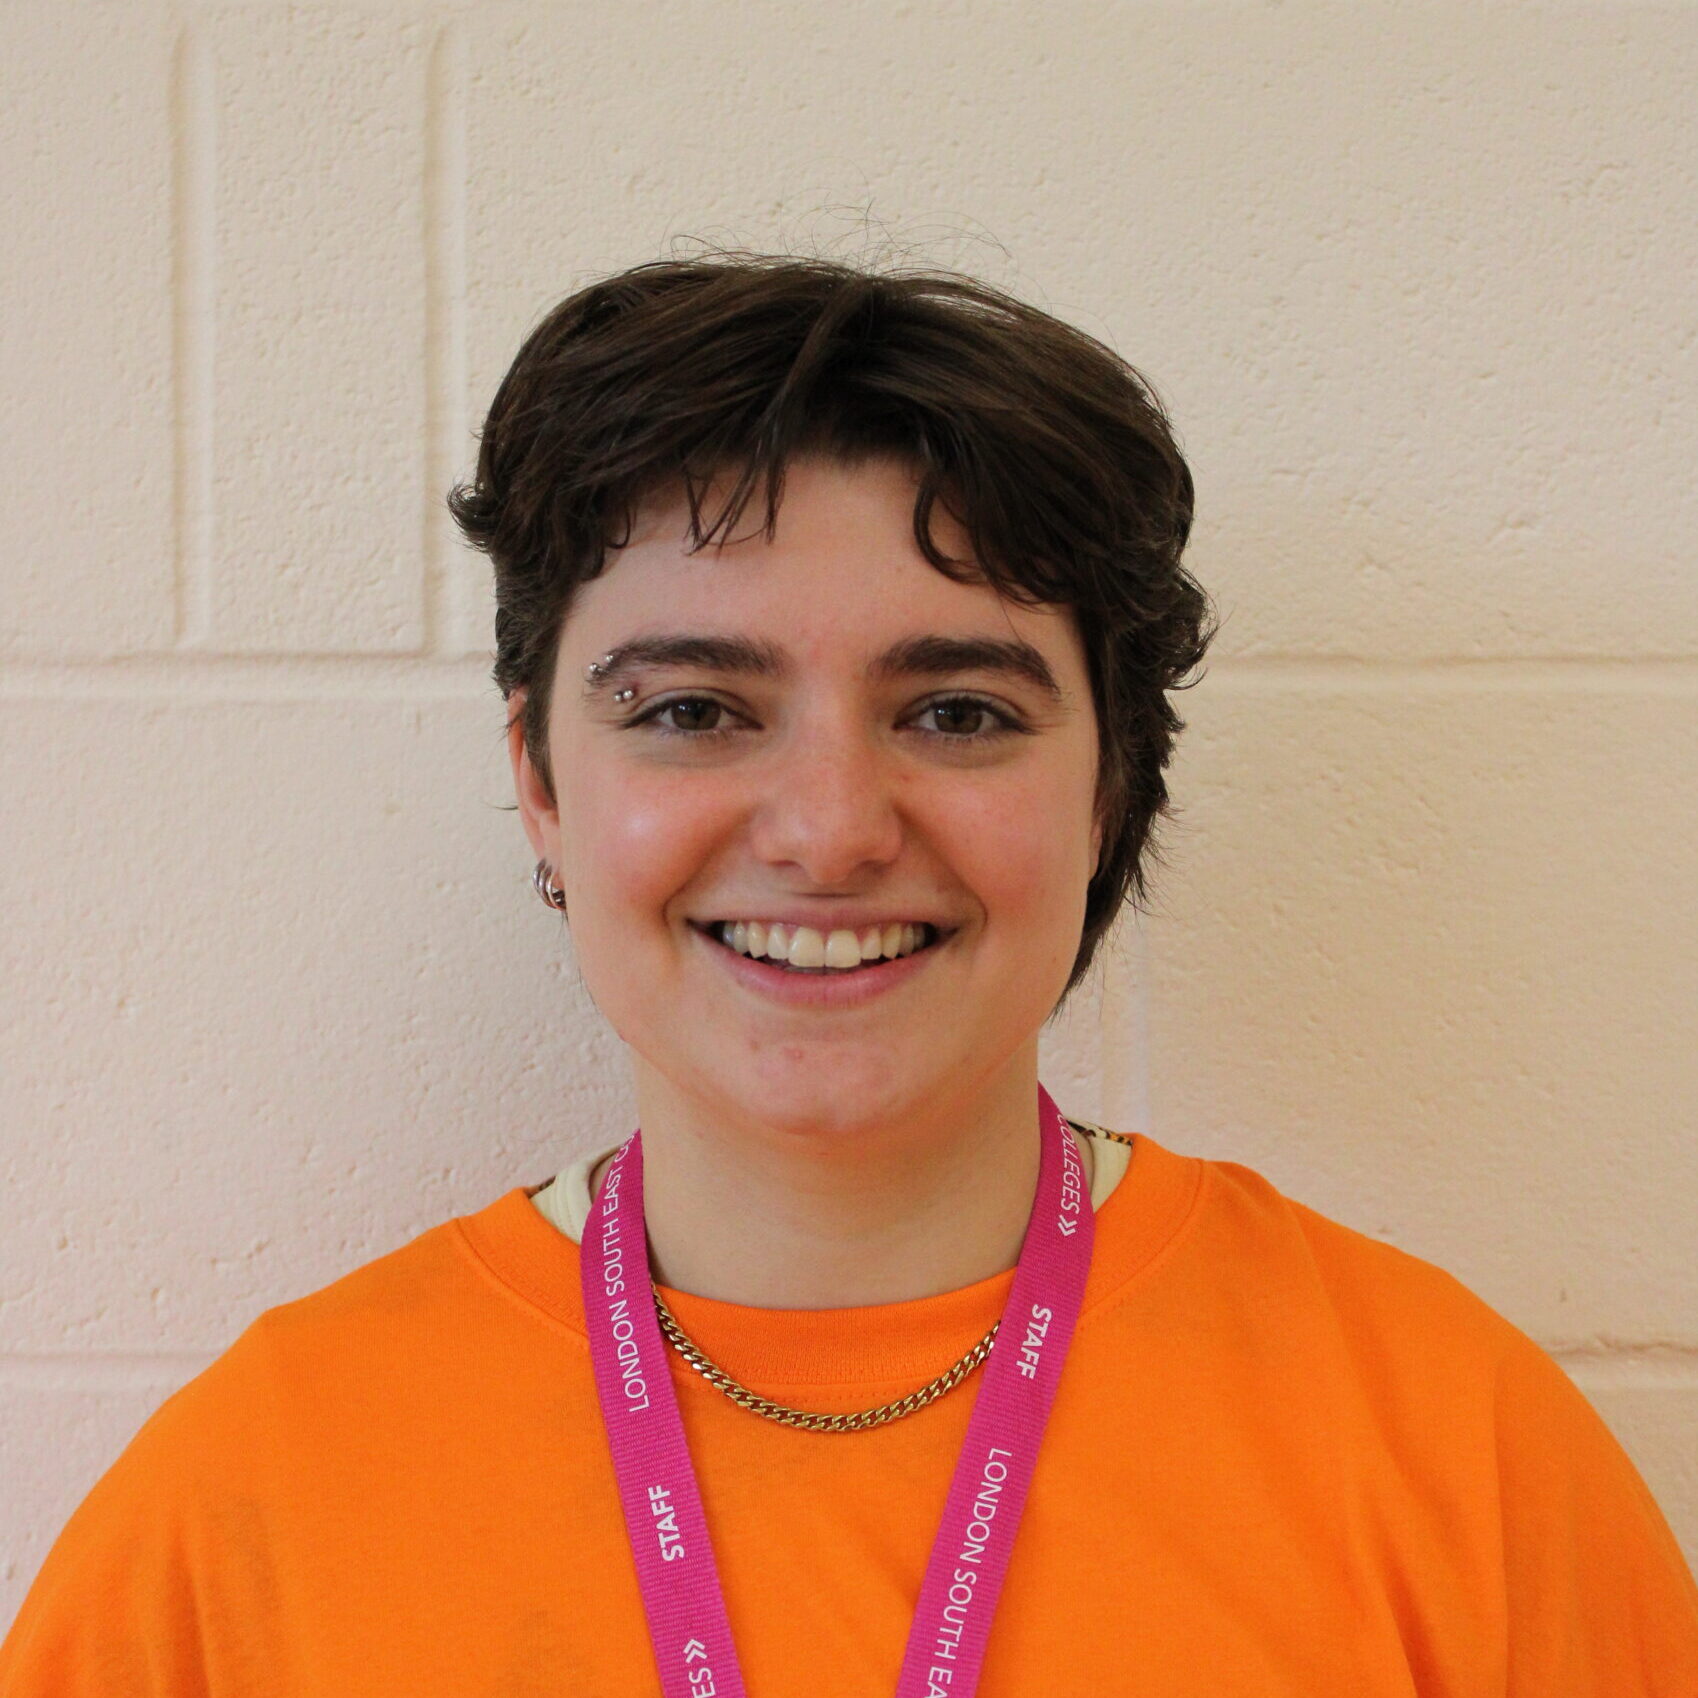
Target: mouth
(719, 933)
(819, 987)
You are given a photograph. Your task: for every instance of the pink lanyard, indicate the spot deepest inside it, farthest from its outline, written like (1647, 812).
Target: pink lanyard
(688, 1627)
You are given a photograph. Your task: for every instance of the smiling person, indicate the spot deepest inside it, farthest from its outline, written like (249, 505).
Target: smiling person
(824, 820)
(837, 618)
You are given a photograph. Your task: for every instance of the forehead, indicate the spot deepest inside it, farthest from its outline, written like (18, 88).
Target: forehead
(841, 575)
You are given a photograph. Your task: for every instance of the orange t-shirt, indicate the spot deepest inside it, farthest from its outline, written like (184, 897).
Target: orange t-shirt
(1285, 1458)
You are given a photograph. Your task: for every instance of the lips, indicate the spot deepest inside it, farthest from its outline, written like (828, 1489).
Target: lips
(933, 936)
(817, 988)
(847, 920)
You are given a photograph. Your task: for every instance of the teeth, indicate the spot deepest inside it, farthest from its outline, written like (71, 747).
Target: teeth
(812, 950)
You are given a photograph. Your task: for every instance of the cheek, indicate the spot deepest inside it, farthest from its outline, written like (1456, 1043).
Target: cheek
(1025, 849)
(634, 840)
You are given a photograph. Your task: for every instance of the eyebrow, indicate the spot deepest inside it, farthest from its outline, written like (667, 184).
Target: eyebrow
(911, 657)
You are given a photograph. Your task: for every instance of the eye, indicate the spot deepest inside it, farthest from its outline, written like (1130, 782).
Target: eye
(968, 719)
(950, 708)
(693, 717)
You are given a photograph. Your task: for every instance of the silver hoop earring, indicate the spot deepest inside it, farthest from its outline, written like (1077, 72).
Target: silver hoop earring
(546, 888)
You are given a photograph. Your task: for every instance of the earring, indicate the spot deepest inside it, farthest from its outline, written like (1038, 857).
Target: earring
(546, 888)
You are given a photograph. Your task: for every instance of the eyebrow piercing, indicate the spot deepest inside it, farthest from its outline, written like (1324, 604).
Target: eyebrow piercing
(596, 668)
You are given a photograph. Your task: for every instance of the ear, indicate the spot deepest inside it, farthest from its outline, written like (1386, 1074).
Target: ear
(538, 811)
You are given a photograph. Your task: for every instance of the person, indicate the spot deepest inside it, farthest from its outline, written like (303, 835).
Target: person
(839, 614)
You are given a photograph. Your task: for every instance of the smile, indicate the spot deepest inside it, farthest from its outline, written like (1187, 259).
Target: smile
(805, 949)
(822, 987)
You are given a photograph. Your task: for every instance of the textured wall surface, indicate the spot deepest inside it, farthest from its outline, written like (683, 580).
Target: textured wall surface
(1416, 282)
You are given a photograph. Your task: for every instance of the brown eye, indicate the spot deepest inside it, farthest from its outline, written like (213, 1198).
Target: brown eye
(958, 717)
(686, 720)
(693, 713)
(966, 719)
(954, 719)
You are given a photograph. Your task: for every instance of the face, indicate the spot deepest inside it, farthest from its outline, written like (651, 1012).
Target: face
(821, 737)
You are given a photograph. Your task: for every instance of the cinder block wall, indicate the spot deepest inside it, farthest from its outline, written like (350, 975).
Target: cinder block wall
(1417, 285)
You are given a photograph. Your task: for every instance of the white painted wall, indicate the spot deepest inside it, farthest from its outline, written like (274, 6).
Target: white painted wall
(1417, 284)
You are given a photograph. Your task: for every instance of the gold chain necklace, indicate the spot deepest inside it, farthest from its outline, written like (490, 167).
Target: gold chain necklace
(814, 1421)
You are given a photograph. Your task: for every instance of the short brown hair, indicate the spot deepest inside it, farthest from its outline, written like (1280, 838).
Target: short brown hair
(1054, 455)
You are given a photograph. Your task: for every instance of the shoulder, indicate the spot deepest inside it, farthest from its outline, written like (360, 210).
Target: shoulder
(1492, 1442)
(1368, 1283)
(1398, 1346)
(1424, 1358)
(1390, 1338)
(297, 1365)
(184, 1526)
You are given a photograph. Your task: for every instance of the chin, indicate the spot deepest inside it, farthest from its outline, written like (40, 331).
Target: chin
(810, 1093)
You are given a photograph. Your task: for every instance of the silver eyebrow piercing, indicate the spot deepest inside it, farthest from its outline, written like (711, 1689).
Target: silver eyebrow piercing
(596, 667)
(626, 694)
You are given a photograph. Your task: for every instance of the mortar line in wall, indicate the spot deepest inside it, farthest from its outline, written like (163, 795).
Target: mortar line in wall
(200, 673)
(188, 676)
(444, 237)
(194, 141)
(1436, 675)
(1108, 1024)
(1123, 1031)
(1138, 1103)
(1630, 1368)
(100, 1370)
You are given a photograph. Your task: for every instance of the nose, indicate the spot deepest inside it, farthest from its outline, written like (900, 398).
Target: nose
(828, 804)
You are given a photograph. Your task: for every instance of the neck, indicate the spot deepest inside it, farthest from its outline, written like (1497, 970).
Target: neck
(834, 1217)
